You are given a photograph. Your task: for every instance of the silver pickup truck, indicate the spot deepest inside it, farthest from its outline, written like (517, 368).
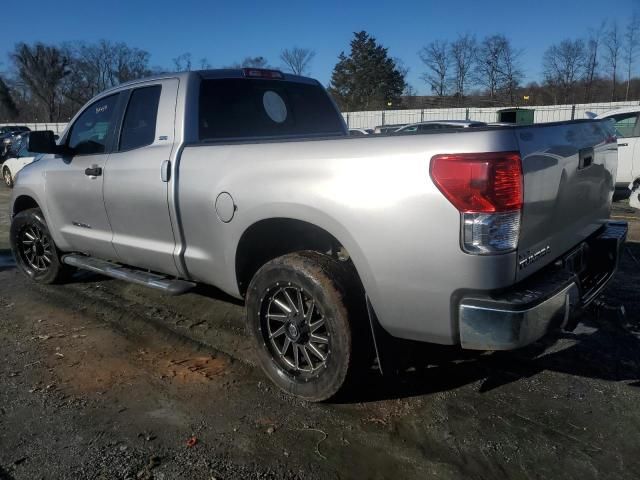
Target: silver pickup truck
(485, 238)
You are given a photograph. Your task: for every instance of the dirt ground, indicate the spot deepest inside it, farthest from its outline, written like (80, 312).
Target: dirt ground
(101, 379)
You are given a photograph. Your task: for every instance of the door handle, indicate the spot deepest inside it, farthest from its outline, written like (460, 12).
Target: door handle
(94, 171)
(623, 144)
(165, 171)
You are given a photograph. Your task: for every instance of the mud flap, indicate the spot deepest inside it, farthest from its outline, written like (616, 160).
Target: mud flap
(382, 342)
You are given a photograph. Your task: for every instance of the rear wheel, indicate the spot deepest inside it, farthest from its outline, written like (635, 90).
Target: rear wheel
(8, 178)
(301, 314)
(35, 253)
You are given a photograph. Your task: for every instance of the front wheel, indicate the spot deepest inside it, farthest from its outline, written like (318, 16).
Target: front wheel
(301, 315)
(8, 178)
(33, 248)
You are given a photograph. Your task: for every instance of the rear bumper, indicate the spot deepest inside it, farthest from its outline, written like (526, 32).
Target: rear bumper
(551, 298)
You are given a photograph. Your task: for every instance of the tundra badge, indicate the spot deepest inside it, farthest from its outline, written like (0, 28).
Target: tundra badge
(526, 259)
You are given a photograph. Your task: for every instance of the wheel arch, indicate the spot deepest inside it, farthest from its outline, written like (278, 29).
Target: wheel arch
(23, 202)
(270, 238)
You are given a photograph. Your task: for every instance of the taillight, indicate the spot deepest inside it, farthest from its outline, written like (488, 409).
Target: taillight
(487, 190)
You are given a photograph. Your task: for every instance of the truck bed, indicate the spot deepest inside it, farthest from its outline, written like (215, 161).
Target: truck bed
(374, 194)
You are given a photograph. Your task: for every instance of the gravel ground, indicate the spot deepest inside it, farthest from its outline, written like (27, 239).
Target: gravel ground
(102, 379)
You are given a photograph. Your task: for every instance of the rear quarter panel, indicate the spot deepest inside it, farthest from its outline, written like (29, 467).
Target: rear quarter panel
(373, 194)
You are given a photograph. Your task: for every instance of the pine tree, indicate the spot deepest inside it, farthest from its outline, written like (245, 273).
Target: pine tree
(368, 78)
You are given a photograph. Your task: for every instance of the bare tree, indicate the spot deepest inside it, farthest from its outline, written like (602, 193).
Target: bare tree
(252, 62)
(42, 68)
(435, 57)
(204, 64)
(401, 67)
(182, 63)
(631, 43)
(96, 67)
(563, 65)
(409, 91)
(487, 65)
(463, 52)
(297, 59)
(510, 69)
(8, 107)
(612, 46)
(591, 60)
(128, 63)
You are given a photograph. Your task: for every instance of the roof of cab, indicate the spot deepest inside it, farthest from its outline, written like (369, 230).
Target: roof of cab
(207, 74)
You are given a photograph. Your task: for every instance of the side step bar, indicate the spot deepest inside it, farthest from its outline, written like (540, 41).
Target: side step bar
(140, 277)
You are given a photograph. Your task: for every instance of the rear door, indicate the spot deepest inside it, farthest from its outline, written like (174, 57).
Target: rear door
(74, 182)
(135, 184)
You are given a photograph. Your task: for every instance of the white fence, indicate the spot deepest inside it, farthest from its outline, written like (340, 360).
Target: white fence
(544, 113)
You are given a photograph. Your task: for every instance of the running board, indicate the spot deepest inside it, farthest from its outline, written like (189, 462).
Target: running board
(139, 277)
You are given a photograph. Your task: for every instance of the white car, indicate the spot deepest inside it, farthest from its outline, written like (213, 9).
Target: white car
(13, 165)
(627, 128)
(359, 132)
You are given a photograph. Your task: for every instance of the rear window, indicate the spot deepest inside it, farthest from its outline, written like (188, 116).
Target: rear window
(139, 125)
(250, 108)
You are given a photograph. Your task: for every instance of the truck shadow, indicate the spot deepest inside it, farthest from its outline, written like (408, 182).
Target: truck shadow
(602, 348)
(605, 346)
(4, 475)
(6, 261)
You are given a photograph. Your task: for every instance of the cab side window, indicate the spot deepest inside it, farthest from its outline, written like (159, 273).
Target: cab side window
(625, 124)
(90, 132)
(139, 125)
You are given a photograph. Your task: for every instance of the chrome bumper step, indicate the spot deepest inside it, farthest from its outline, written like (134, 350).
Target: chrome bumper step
(139, 277)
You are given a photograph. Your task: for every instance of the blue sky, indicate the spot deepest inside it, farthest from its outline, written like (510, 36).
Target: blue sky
(226, 32)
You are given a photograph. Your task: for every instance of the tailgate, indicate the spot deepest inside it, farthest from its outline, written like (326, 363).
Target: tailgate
(569, 173)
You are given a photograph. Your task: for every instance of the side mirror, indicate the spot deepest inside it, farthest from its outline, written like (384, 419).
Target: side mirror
(43, 142)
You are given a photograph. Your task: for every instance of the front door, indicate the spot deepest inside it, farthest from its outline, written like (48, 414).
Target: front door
(136, 178)
(74, 181)
(627, 129)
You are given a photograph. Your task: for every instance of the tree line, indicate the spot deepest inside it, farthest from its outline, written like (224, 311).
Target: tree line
(50, 82)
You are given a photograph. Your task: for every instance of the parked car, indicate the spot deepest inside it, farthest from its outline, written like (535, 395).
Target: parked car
(388, 128)
(359, 132)
(500, 124)
(13, 128)
(247, 180)
(627, 131)
(434, 125)
(17, 161)
(8, 135)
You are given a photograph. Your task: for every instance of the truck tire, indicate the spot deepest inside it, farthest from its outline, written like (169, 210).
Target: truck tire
(34, 251)
(302, 313)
